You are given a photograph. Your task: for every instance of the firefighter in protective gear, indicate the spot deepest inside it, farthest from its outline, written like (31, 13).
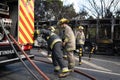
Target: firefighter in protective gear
(55, 45)
(80, 40)
(69, 42)
(51, 28)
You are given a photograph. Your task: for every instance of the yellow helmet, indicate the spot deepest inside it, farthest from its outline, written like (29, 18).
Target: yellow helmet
(80, 27)
(63, 20)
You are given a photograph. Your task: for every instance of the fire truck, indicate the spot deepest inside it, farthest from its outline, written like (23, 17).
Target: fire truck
(17, 16)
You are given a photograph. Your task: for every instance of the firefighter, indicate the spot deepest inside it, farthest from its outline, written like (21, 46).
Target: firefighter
(80, 40)
(61, 34)
(69, 42)
(55, 45)
(51, 28)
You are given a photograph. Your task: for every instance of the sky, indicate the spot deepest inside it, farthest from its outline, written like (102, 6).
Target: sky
(77, 3)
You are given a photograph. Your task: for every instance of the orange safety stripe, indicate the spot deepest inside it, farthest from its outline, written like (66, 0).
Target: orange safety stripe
(26, 21)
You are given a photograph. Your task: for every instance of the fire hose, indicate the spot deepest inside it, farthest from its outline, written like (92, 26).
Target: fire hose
(75, 70)
(33, 64)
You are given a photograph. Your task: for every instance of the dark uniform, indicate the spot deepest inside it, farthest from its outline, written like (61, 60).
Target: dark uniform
(55, 45)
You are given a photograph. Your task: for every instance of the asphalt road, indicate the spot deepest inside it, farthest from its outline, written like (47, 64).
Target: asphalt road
(101, 67)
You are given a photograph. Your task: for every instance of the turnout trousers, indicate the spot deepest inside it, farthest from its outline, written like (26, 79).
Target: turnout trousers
(71, 59)
(57, 55)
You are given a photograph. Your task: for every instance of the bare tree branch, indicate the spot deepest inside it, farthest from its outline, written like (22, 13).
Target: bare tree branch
(95, 7)
(101, 1)
(116, 4)
(92, 12)
(110, 4)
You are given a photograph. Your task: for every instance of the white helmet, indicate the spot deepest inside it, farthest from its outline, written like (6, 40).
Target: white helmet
(80, 27)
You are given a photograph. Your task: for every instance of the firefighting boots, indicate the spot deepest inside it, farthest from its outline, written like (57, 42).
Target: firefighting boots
(71, 68)
(65, 72)
(57, 69)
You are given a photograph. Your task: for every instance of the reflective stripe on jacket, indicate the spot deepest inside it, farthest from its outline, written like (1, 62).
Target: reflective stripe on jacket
(50, 37)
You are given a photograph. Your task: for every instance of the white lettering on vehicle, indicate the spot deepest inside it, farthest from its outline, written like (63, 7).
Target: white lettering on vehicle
(5, 52)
